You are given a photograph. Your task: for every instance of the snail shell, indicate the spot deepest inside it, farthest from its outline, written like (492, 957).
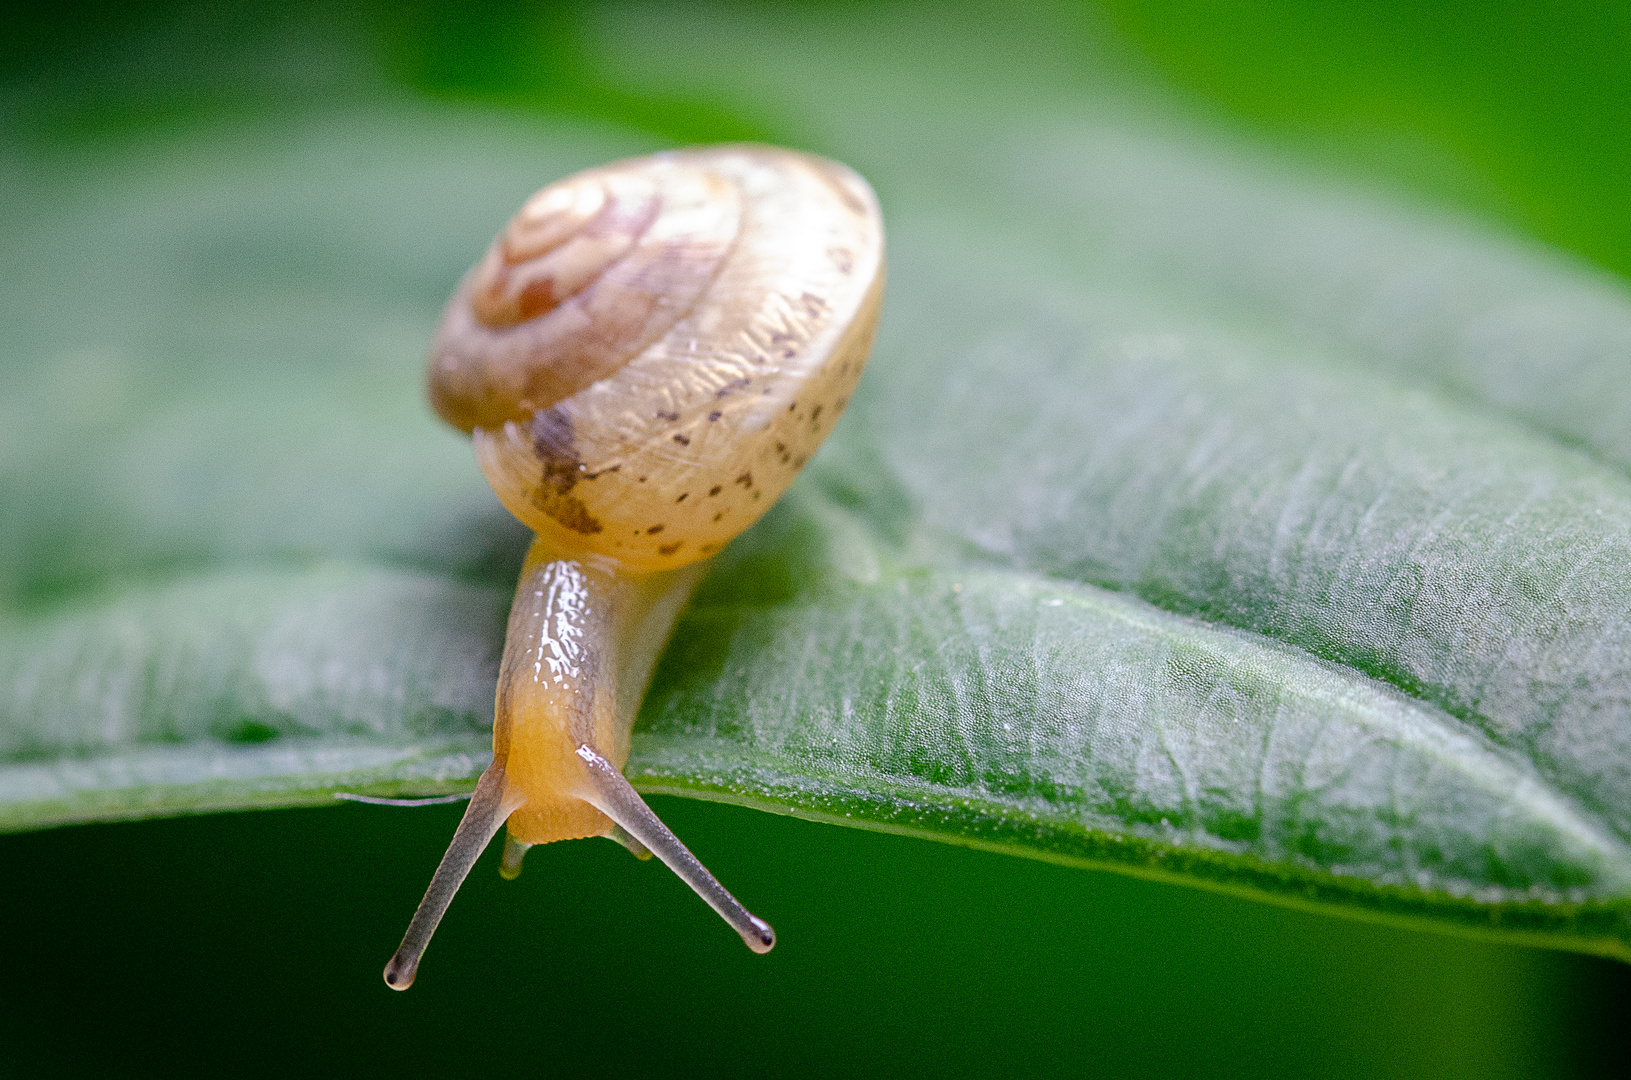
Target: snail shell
(651, 350)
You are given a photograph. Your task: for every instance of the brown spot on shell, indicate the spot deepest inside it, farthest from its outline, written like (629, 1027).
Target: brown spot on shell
(746, 480)
(537, 298)
(552, 442)
(683, 440)
(715, 415)
(682, 497)
(654, 530)
(735, 384)
(570, 512)
(669, 549)
(716, 489)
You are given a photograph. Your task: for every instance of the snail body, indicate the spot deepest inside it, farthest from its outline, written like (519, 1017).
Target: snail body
(644, 358)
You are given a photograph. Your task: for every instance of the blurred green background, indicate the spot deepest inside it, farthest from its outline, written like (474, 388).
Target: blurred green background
(251, 944)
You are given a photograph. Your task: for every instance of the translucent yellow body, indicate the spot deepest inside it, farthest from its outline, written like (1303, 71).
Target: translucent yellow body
(583, 638)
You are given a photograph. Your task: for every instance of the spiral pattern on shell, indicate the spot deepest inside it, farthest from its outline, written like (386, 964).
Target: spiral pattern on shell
(651, 350)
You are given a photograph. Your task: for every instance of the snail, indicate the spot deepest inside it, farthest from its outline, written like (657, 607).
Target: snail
(644, 358)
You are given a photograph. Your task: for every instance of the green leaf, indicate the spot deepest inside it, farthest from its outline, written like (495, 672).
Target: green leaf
(1194, 519)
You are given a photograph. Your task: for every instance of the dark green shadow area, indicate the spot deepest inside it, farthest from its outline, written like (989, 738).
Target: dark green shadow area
(92, 73)
(1514, 110)
(251, 945)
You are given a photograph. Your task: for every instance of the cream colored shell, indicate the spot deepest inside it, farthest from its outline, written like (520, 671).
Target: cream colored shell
(651, 350)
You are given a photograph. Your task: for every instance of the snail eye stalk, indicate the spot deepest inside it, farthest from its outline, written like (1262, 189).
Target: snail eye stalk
(615, 797)
(482, 819)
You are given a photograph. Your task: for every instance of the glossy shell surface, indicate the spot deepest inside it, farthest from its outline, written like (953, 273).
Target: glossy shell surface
(651, 350)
